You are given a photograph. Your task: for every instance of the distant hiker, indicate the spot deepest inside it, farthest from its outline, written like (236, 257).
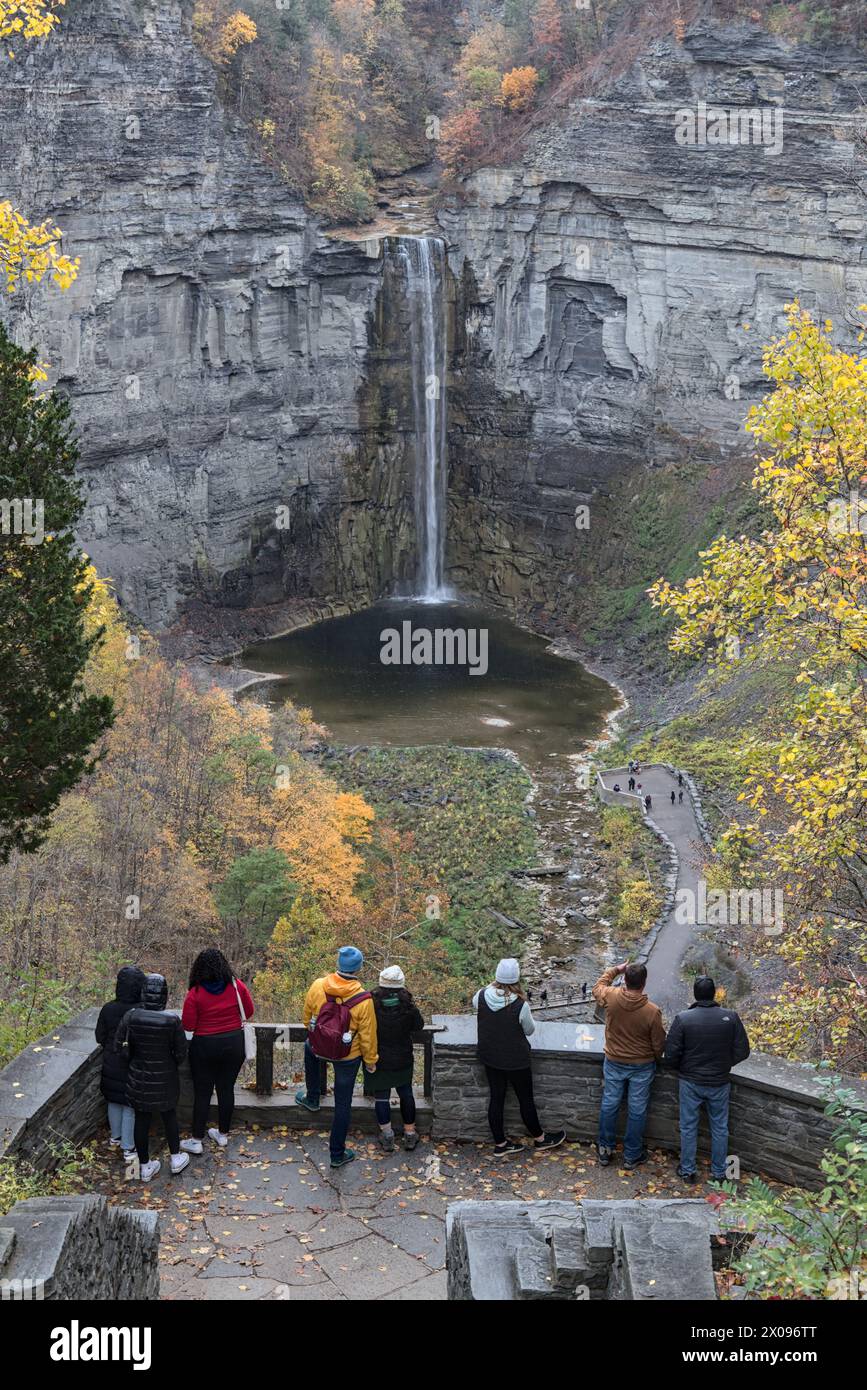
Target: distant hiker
(634, 1041)
(397, 1018)
(529, 996)
(215, 1010)
(584, 990)
(544, 997)
(631, 784)
(648, 802)
(705, 1042)
(504, 1028)
(672, 798)
(341, 1029)
(680, 779)
(154, 1043)
(638, 789)
(121, 1116)
(616, 787)
(680, 798)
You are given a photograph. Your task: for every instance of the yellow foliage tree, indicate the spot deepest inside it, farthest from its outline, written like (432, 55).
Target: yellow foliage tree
(30, 251)
(518, 88)
(799, 592)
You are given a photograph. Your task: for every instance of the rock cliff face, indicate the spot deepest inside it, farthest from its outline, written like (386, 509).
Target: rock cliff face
(239, 379)
(215, 343)
(614, 292)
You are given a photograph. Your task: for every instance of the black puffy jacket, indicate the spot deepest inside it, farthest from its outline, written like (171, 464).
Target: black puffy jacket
(397, 1018)
(130, 982)
(156, 1045)
(705, 1042)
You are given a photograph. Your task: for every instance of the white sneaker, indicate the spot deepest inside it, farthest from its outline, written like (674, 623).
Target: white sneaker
(218, 1138)
(179, 1162)
(191, 1146)
(129, 1154)
(150, 1170)
(114, 1143)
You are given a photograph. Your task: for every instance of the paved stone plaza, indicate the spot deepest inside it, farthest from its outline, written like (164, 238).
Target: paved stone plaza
(268, 1219)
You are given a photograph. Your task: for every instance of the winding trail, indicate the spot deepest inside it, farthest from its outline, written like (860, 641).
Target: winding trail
(679, 824)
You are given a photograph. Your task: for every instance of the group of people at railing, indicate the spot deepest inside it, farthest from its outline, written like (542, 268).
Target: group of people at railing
(351, 1027)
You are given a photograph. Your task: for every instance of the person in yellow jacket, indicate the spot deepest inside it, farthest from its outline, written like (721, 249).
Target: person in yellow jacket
(342, 986)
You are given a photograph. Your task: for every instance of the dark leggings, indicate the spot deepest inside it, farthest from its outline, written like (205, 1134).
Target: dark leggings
(522, 1085)
(215, 1060)
(407, 1104)
(142, 1132)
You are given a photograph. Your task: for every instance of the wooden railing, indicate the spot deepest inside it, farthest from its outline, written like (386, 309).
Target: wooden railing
(268, 1033)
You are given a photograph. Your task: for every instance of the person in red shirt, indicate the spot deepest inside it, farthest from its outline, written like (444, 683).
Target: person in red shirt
(215, 1010)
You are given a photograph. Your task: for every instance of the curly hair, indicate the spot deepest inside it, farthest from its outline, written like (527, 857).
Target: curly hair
(209, 967)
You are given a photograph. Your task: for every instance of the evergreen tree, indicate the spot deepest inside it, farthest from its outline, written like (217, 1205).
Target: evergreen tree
(48, 720)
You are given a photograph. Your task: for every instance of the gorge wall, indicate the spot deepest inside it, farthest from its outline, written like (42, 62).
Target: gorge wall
(615, 289)
(215, 343)
(610, 293)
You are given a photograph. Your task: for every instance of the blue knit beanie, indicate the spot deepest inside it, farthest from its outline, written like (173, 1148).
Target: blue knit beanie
(349, 960)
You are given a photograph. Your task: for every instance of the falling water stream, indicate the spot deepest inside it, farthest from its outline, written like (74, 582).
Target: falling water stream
(424, 262)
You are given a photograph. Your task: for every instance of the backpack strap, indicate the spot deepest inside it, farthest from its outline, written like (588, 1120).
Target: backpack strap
(357, 999)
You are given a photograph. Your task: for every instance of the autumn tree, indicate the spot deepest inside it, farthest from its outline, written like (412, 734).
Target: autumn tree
(798, 593)
(518, 88)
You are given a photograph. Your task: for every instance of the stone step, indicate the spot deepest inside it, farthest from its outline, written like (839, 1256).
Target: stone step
(534, 1271)
(280, 1109)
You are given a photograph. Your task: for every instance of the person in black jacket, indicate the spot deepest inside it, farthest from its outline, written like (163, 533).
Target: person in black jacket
(155, 1044)
(121, 1117)
(703, 1044)
(504, 1027)
(397, 1018)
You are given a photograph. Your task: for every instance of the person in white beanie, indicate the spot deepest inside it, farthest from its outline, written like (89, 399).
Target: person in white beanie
(397, 1018)
(505, 1024)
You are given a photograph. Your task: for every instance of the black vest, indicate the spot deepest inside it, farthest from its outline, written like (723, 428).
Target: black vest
(503, 1044)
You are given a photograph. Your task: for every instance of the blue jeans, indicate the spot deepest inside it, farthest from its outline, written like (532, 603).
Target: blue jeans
(121, 1123)
(716, 1098)
(345, 1073)
(617, 1076)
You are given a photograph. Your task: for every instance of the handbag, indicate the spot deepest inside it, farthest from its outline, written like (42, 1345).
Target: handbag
(247, 1028)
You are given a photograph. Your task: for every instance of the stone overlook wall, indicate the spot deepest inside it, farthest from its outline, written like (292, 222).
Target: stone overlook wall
(78, 1248)
(50, 1093)
(776, 1122)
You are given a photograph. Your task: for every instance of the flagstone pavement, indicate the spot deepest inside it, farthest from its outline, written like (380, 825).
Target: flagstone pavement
(267, 1218)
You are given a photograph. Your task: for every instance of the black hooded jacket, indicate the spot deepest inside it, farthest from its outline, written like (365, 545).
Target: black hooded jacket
(156, 1045)
(130, 982)
(705, 1042)
(397, 1018)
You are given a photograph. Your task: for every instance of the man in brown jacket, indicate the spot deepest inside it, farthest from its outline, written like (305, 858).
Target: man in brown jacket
(634, 1041)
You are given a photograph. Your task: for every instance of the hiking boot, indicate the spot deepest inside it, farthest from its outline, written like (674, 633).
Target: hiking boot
(550, 1141)
(386, 1142)
(603, 1156)
(179, 1162)
(688, 1178)
(302, 1100)
(191, 1146)
(410, 1140)
(346, 1157)
(509, 1147)
(636, 1162)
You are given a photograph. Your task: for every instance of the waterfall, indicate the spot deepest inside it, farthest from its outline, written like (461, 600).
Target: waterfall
(424, 262)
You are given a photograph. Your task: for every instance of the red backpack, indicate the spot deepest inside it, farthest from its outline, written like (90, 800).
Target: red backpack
(333, 1025)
